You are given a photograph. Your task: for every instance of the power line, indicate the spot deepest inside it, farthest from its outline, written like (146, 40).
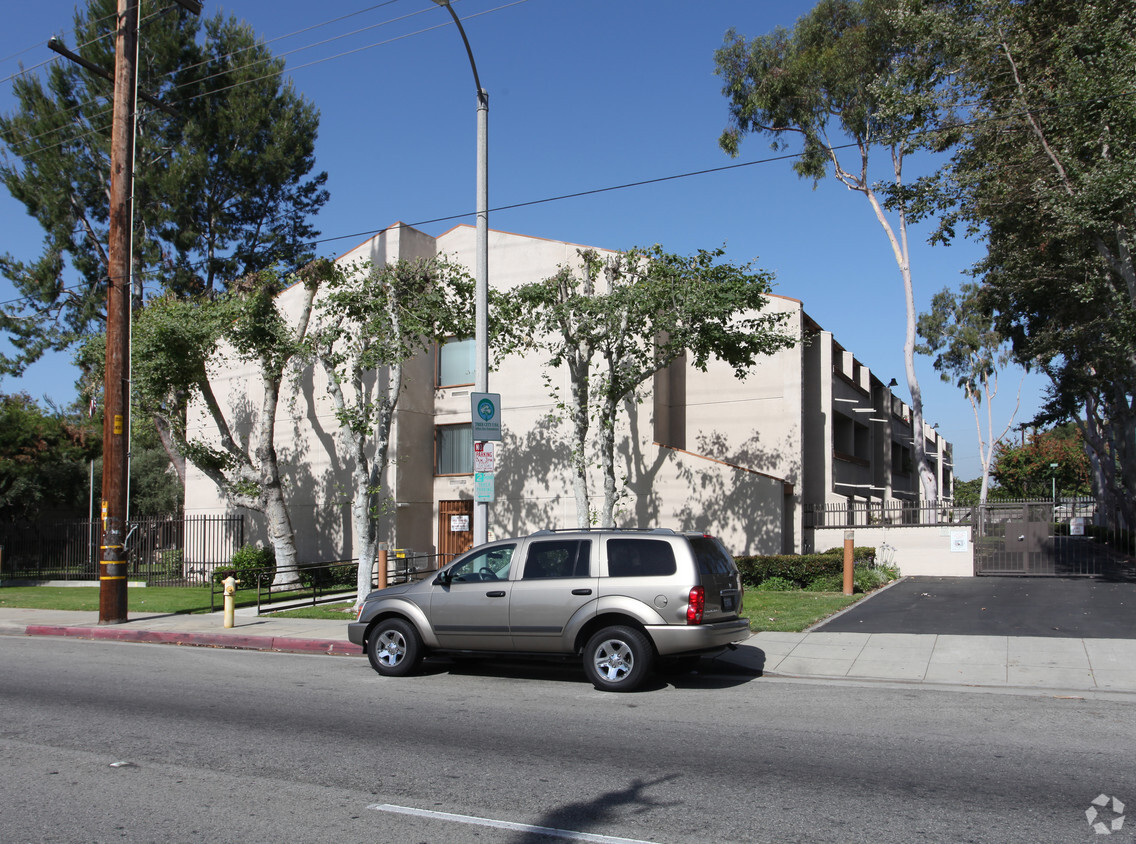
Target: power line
(266, 61)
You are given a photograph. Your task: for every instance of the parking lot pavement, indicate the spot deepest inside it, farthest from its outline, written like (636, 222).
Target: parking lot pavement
(1052, 607)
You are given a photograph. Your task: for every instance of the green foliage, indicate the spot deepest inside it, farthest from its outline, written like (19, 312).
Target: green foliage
(223, 186)
(848, 71)
(814, 572)
(327, 577)
(825, 583)
(1026, 471)
(168, 564)
(251, 565)
(1045, 177)
(776, 584)
(615, 322)
(44, 459)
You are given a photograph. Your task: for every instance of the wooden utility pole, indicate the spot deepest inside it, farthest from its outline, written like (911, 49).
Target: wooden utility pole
(116, 411)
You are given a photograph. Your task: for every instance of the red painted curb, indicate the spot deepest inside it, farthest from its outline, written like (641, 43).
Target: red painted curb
(210, 640)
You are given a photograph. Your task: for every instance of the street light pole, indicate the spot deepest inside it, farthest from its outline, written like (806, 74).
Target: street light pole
(481, 275)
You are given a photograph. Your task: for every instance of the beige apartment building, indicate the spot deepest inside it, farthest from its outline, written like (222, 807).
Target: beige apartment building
(703, 450)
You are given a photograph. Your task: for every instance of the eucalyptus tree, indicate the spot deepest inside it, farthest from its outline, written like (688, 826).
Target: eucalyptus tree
(959, 331)
(1046, 175)
(851, 75)
(369, 322)
(614, 322)
(177, 343)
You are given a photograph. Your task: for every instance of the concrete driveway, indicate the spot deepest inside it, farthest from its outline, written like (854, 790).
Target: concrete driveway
(1058, 607)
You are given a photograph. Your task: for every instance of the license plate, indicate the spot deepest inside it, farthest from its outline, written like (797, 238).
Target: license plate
(727, 603)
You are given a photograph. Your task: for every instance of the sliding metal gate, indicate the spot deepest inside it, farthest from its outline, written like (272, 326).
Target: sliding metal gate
(1039, 538)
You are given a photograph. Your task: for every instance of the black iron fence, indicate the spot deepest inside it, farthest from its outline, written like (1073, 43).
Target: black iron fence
(879, 513)
(318, 583)
(162, 551)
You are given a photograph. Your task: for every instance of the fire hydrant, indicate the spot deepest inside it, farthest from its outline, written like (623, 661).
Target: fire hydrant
(230, 584)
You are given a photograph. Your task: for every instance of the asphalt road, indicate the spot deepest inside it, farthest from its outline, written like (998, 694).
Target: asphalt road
(1064, 607)
(121, 742)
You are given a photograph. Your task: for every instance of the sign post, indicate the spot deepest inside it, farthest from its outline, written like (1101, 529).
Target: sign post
(485, 413)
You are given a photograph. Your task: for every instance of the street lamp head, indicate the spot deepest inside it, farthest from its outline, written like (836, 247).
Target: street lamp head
(891, 383)
(445, 3)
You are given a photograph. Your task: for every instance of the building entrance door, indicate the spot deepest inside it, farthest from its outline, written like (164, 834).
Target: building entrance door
(455, 528)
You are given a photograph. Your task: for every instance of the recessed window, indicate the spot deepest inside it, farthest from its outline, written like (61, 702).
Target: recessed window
(453, 450)
(456, 363)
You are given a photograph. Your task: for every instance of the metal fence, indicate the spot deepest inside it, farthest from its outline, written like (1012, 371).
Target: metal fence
(880, 513)
(324, 582)
(162, 551)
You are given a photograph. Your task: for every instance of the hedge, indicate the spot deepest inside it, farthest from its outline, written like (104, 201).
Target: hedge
(801, 569)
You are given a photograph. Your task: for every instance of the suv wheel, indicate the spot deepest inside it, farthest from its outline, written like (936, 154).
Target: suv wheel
(394, 648)
(618, 659)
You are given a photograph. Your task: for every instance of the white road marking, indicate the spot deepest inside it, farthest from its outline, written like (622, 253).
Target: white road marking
(521, 827)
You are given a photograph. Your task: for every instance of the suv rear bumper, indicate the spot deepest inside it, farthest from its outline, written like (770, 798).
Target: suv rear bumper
(673, 639)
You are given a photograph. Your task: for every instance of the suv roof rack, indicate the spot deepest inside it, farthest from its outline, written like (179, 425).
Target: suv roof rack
(589, 529)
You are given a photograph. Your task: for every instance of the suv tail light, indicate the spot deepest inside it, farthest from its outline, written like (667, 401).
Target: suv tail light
(696, 605)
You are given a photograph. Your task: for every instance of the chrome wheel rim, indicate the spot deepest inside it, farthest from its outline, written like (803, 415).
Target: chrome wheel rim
(391, 648)
(614, 660)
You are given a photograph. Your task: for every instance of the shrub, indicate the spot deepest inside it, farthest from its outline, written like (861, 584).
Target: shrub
(250, 565)
(776, 584)
(861, 554)
(826, 583)
(167, 565)
(325, 576)
(799, 569)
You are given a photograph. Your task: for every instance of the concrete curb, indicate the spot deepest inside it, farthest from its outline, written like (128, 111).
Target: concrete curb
(205, 640)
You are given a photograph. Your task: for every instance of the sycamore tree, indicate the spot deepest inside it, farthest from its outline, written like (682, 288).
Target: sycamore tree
(175, 346)
(369, 322)
(847, 82)
(614, 322)
(224, 183)
(960, 333)
(1046, 176)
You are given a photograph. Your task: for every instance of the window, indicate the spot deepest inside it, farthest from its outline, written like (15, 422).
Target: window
(453, 450)
(456, 363)
(561, 558)
(492, 564)
(640, 558)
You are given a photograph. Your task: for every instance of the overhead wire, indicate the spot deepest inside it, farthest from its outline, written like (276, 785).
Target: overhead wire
(268, 60)
(497, 209)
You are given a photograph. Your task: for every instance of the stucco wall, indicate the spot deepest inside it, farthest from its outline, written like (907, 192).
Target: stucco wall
(922, 551)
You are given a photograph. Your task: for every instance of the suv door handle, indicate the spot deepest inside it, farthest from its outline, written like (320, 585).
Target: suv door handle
(500, 594)
(581, 591)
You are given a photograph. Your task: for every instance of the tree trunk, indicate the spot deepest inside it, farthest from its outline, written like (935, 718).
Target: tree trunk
(579, 411)
(607, 460)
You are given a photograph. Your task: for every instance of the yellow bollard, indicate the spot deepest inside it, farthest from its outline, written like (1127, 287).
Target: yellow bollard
(230, 584)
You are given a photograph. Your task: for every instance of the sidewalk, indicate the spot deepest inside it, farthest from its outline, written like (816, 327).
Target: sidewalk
(1068, 665)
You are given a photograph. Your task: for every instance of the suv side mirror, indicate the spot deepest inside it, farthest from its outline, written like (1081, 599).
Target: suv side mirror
(443, 579)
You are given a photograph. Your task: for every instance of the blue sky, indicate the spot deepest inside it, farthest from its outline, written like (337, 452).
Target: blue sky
(584, 95)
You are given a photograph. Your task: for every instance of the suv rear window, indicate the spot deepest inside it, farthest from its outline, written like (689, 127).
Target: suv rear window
(640, 558)
(711, 556)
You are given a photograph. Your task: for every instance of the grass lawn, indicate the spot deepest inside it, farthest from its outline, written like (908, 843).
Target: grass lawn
(774, 611)
(159, 599)
(337, 612)
(792, 612)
